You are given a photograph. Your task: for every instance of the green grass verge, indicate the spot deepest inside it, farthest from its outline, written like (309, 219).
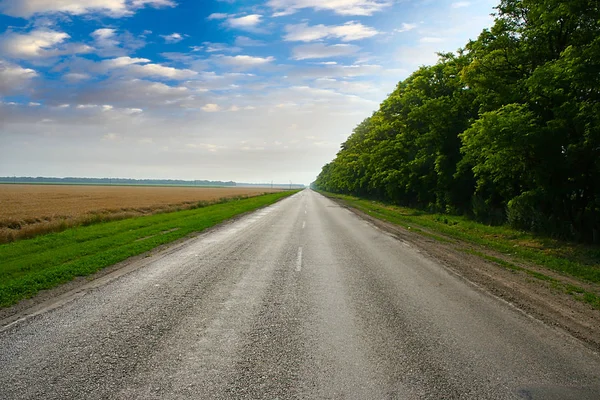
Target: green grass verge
(28, 266)
(576, 260)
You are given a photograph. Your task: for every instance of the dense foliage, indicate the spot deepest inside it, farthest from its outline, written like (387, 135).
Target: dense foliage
(507, 129)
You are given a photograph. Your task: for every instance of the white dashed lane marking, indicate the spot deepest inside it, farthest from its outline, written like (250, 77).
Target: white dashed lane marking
(299, 260)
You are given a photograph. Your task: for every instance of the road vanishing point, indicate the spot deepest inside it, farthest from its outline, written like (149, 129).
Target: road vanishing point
(299, 300)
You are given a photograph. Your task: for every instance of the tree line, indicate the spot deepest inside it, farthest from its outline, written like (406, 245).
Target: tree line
(505, 130)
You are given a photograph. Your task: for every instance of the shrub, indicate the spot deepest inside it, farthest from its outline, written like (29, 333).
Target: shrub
(529, 211)
(486, 213)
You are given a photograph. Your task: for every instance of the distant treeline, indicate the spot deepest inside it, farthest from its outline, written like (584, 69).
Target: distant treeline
(272, 185)
(506, 130)
(113, 181)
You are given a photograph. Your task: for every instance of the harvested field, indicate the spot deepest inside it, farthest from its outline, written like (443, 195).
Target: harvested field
(30, 210)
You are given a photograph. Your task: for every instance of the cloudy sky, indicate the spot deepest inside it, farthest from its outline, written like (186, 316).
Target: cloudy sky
(239, 90)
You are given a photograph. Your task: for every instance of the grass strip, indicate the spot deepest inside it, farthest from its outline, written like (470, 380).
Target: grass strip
(576, 260)
(44, 262)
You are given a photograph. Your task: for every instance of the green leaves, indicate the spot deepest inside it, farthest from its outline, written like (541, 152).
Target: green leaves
(515, 115)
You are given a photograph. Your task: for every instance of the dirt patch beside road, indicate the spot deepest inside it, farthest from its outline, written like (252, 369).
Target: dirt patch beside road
(543, 300)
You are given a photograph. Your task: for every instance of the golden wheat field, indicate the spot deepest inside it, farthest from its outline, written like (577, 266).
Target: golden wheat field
(31, 210)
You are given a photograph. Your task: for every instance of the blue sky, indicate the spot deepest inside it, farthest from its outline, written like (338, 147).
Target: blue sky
(248, 91)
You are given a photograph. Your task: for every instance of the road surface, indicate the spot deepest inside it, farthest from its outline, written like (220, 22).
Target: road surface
(300, 300)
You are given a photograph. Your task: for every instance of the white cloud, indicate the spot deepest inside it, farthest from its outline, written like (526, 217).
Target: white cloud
(346, 86)
(447, 36)
(77, 133)
(211, 107)
(120, 62)
(283, 13)
(217, 16)
(211, 81)
(105, 37)
(205, 146)
(405, 27)
(247, 22)
(114, 8)
(320, 50)
(109, 42)
(13, 77)
(460, 4)
(131, 111)
(157, 70)
(172, 38)
(132, 94)
(76, 77)
(27, 8)
(125, 67)
(315, 96)
(210, 47)
(235, 21)
(134, 67)
(146, 140)
(243, 41)
(179, 57)
(39, 43)
(411, 58)
(335, 71)
(153, 3)
(341, 7)
(110, 136)
(243, 61)
(348, 32)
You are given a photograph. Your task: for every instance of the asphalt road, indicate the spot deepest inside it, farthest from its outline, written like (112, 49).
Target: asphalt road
(299, 300)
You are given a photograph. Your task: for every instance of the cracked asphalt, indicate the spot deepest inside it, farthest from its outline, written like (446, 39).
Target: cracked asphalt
(299, 300)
